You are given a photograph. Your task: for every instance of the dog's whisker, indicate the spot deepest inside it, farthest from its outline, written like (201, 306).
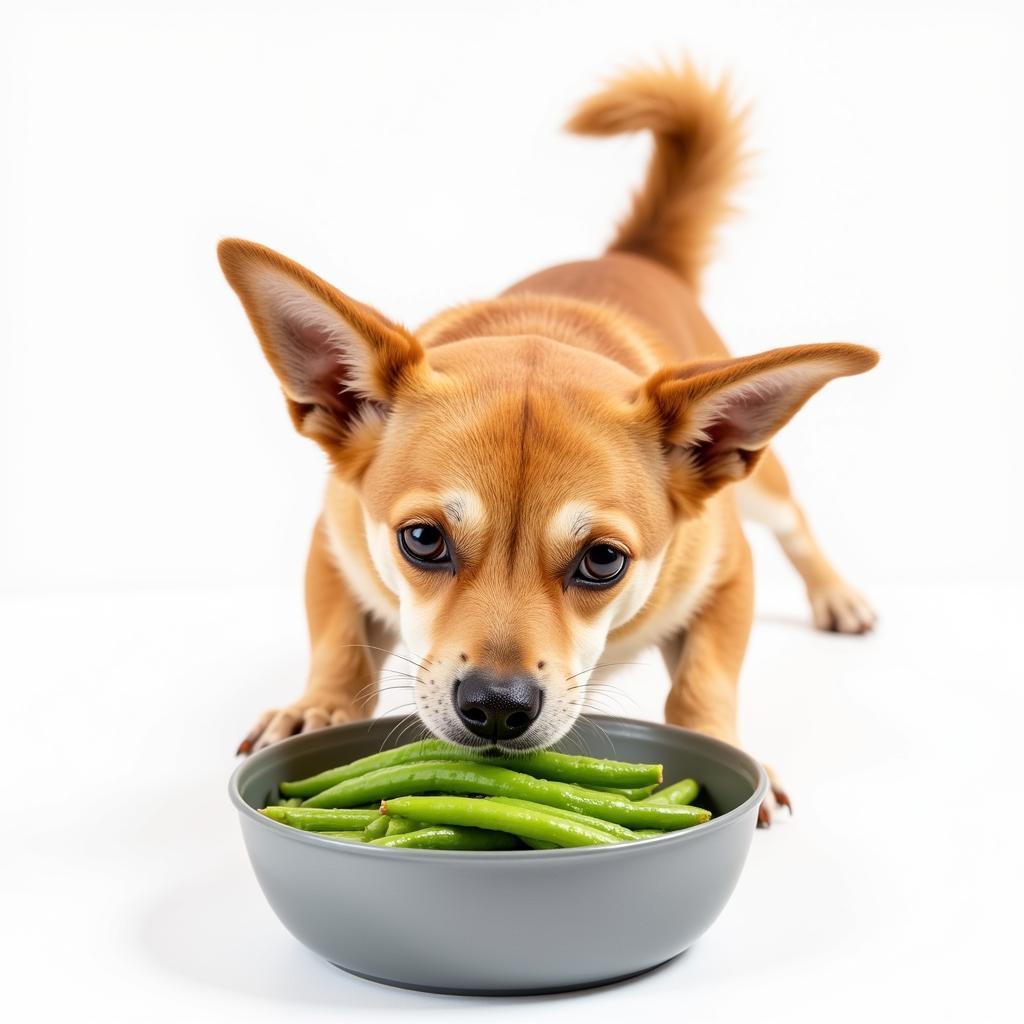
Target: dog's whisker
(577, 737)
(608, 708)
(604, 703)
(375, 687)
(569, 740)
(385, 689)
(596, 709)
(599, 728)
(365, 700)
(607, 664)
(602, 685)
(412, 724)
(404, 708)
(394, 654)
(398, 725)
(407, 681)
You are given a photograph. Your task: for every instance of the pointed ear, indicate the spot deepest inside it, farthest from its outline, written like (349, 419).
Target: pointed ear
(717, 417)
(340, 363)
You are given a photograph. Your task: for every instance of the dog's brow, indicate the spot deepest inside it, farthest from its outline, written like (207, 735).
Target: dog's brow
(572, 521)
(575, 519)
(581, 525)
(463, 508)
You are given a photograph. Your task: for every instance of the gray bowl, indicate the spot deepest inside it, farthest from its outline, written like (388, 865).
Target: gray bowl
(524, 921)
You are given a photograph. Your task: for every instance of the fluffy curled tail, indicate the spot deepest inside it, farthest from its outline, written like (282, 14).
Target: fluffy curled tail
(698, 157)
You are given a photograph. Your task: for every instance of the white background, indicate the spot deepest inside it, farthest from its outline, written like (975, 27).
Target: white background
(155, 504)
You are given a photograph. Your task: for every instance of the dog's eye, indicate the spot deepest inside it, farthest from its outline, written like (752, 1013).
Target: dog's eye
(424, 545)
(600, 566)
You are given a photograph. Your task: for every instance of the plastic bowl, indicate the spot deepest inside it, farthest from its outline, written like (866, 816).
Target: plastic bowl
(525, 921)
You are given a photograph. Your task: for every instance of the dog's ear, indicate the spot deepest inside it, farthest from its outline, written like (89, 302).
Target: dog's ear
(716, 417)
(340, 363)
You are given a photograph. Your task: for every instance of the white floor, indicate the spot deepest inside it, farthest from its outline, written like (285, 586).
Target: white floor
(894, 893)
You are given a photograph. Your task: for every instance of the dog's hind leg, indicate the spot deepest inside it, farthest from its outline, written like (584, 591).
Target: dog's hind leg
(765, 498)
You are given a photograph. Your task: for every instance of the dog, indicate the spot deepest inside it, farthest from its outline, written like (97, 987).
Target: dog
(527, 485)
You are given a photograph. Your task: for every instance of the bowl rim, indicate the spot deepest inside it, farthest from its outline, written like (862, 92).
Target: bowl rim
(504, 856)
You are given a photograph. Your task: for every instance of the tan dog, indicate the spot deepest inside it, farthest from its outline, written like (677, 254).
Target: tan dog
(529, 484)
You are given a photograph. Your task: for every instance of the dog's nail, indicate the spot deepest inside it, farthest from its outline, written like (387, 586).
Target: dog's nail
(244, 747)
(764, 818)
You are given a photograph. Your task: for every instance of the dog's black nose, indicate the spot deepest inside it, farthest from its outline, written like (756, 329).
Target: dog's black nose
(497, 707)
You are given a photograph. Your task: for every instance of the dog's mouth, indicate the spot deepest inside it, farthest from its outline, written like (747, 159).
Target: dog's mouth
(491, 748)
(487, 750)
(457, 737)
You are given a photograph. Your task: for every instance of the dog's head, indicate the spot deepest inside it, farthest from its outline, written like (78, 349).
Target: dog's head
(519, 496)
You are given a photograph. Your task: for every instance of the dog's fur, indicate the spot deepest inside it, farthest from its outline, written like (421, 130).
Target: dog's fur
(591, 402)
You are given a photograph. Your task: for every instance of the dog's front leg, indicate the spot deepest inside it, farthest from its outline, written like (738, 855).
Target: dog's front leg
(704, 662)
(347, 649)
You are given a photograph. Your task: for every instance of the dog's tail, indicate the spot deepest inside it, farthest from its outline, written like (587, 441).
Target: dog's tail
(698, 157)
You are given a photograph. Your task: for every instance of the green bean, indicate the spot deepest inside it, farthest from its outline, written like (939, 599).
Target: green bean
(319, 819)
(579, 770)
(398, 780)
(442, 837)
(349, 837)
(581, 819)
(377, 828)
(683, 792)
(585, 771)
(399, 826)
(456, 777)
(539, 844)
(487, 814)
(648, 833)
(630, 793)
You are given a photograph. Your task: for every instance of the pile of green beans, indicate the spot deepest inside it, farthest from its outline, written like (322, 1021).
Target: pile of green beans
(545, 764)
(434, 795)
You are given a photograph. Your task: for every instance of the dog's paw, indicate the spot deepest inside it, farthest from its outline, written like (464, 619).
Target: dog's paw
(775, 799)
(838, 608)
(300, 717)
